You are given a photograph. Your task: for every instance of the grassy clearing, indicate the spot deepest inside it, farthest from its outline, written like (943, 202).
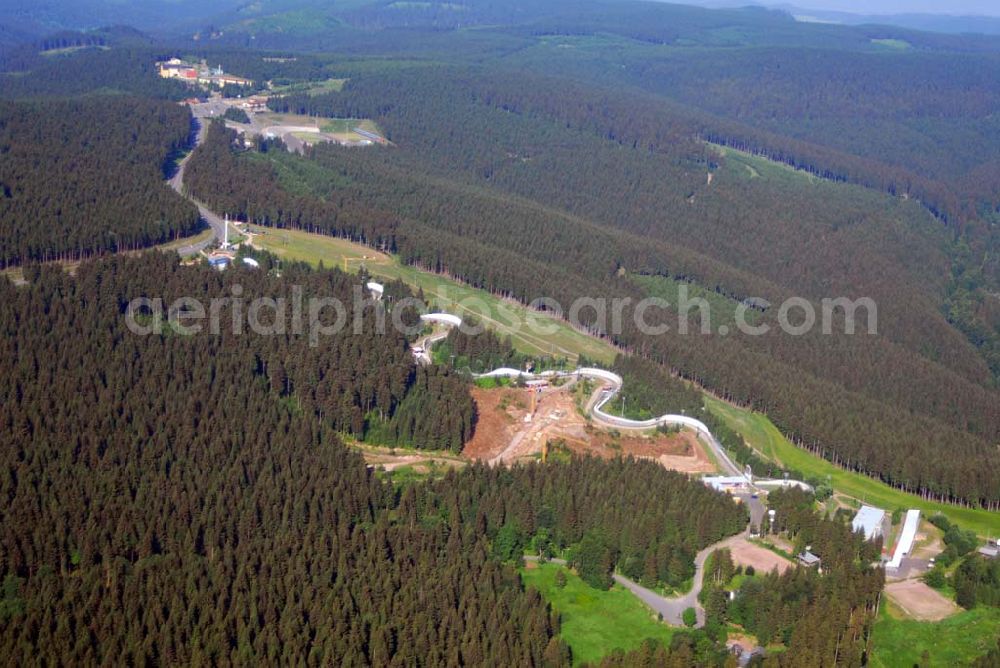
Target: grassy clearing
(339, 125)
(764, 437)
(70, 50)
(532, 333)
(309, 137)
(300, 21)
(722, 309)
(375, 451)
(746, 165)
(346, 126)
(341, 128)
(311, 87)
(892, 44)
(403, 476)
(595, 622)
(272, 118)
(314, 248)
(327, 86)
(15, 274)
(955, 641)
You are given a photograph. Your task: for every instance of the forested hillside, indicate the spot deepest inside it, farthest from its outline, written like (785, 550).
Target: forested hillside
(653, 537)
(123, 68)
(896, 110)
(181, 458)
(499, 198)
(84, 177)
(183, 498)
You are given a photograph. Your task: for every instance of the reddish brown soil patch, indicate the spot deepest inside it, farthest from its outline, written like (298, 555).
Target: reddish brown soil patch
(679, 452)
(502, 435)
(500, 413)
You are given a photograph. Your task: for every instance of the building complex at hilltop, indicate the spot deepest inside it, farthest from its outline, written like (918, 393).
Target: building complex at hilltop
(200, 74)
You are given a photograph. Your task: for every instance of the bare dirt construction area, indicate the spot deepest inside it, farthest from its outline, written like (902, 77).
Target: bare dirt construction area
(763, 560)
(504, 435)
(680, 451)
(499, 415)
(919, 601)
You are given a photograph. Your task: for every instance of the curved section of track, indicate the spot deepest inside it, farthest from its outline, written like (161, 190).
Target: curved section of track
(611, 385)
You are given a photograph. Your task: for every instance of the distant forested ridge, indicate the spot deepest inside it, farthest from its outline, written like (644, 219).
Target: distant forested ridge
(127, 68)
(900, 111)
(84, 177)
(136, 464)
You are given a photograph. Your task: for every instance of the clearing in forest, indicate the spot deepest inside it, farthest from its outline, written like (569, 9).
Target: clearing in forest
(763, 560)
(920, 601)
(503, 434)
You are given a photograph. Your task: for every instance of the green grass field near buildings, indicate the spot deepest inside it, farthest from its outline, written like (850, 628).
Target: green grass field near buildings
(764, 437)
(332, 85)
(955, 641)
(595, 622)
(343, 129)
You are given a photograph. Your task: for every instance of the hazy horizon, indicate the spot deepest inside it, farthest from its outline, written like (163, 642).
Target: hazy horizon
(869, 7)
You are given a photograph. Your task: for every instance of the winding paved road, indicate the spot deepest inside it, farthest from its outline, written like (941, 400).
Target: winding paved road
(673, 608)
(176, 182)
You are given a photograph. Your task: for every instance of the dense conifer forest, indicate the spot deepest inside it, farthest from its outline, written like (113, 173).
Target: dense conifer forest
(194, 512)
(649, 391)
(84, 177)
(477, 349)
(977, 582)
(124, 68)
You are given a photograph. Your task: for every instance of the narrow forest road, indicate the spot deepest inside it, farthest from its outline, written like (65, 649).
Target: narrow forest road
(672, 608)
(176, 182)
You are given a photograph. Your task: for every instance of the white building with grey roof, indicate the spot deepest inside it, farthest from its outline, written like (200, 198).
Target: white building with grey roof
(869, 521)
